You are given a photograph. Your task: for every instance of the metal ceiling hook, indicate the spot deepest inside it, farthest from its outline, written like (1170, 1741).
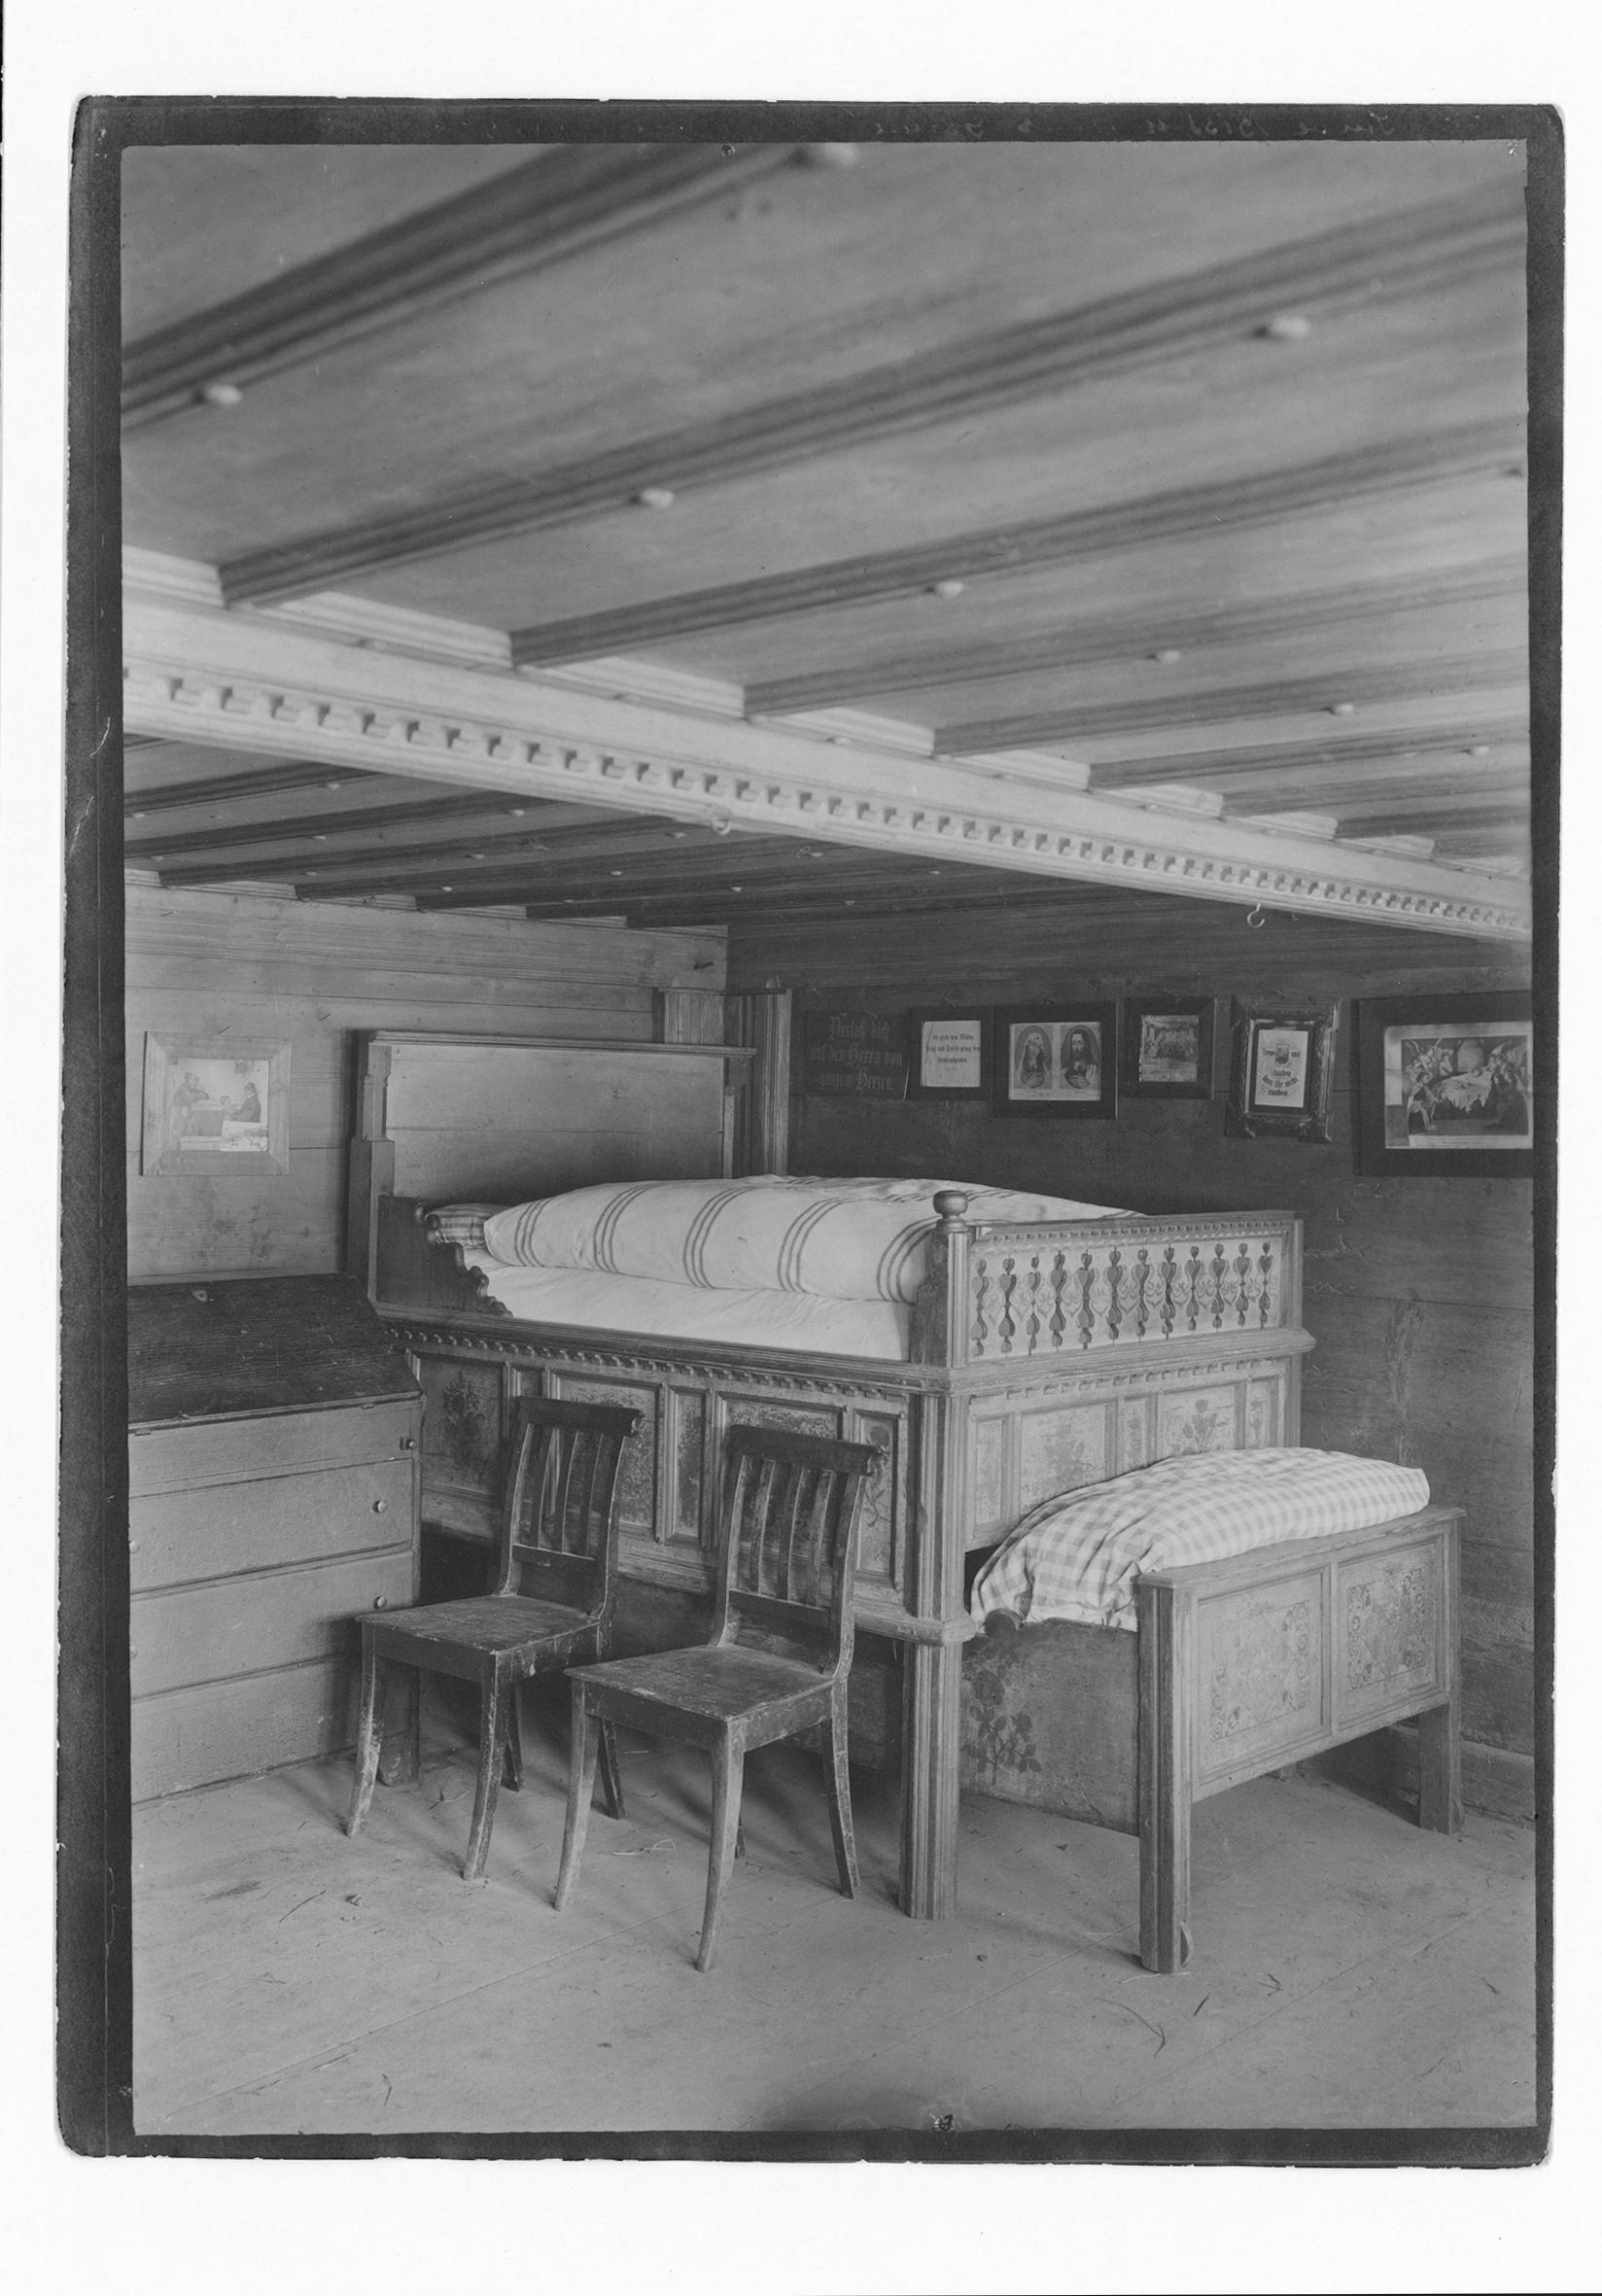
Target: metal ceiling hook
(1257, 920)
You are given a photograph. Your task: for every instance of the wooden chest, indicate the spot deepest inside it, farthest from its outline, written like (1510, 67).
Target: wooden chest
(273, 1452)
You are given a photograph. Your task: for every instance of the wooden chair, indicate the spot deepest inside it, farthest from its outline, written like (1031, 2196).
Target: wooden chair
(552, 1603)
(778, 1658)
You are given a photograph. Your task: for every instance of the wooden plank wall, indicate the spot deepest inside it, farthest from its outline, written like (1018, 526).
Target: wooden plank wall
(1418, 1292)
(211, 965)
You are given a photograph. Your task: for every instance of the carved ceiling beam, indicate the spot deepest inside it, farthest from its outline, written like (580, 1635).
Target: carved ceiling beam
(265, 683)
(551, 208)
(1424, 459)
(1421, 250)
(1070, 645)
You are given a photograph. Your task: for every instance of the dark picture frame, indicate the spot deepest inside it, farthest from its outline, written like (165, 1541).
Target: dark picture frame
(1282, 1071)
(950, 1052)
(1166, 1047)
(1058, 1059)
(1447, 1086)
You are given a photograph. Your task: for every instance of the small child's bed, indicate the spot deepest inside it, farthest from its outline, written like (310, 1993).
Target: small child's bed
(996, 1349)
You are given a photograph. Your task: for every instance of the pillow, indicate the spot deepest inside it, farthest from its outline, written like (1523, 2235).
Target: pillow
(843, 1239)
(461, 1222)
(1078, 1555)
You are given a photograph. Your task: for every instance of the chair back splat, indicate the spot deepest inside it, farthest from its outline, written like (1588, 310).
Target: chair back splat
(778, 1660)
(550, 1605)
(785, 1568)
(554, 1525)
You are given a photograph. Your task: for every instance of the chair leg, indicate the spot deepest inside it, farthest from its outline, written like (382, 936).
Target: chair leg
(514, 1738)
(496, 1699)
(367, 1740)
(728, 1765)
(580, 1793)
(611, 1774)
(837, 1785)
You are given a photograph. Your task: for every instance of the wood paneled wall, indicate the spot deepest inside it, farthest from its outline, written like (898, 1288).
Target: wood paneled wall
(213, 965)
(1418, 1292)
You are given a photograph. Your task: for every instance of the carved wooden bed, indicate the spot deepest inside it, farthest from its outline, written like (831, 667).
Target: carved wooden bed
(1041, 1356)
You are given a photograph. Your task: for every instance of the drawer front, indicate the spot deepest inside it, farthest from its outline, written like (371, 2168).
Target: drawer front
(281, 1443)
(224, 1528)
(233, 1729)
(210, 1634)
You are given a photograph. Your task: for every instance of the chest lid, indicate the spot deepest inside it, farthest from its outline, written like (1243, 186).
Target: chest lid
(206, 1350)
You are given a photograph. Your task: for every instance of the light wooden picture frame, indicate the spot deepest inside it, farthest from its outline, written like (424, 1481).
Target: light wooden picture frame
(215, 1107)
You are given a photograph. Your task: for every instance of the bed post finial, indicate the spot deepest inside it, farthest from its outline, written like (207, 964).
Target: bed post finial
(938, 1332)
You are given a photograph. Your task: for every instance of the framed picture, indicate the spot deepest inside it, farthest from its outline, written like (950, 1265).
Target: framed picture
(1447, 1086)
(1167, 1044)
(950, 1053)
(1055, 1061)
(215, 1108)
(1280, 1073)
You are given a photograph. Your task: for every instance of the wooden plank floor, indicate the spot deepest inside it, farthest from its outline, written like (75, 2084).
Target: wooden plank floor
(1350, 1971)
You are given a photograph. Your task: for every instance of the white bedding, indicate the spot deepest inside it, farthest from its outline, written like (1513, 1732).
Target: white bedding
(843, 1239)
(599, 1302)
(1078, 1555)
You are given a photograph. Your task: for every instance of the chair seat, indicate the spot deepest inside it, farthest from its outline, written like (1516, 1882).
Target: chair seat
(718, 1683)
(487, 1622)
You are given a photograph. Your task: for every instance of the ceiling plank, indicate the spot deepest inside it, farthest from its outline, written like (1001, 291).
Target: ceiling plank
(554, 207)
(1071, 645)
(1418, 251)
(1323, 753)
(490, 817)
(271, 780)
(1416, 460)
(609, 869)
(1397, 681)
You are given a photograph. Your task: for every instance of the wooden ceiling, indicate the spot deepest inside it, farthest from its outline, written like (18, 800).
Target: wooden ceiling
(1152, 483)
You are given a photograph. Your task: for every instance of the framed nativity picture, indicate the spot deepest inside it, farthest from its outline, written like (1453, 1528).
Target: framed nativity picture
(1280, 1073)
(216, 1108)
(950, 1053)
(1167, 1047)
(1055, 1061)
(1445, 1086)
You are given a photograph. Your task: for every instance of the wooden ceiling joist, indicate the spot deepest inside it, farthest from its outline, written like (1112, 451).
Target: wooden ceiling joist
(1419, 251)
(1418, 460)
(553, 207)
(1122, 637)
(1334, 691)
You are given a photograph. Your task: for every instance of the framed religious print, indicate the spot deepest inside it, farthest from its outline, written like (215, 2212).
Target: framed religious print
(1055, 1061)
(1447, 1086)
(1167, 1047)
(950, 1053)
(1280, 1073)
(215, 1108)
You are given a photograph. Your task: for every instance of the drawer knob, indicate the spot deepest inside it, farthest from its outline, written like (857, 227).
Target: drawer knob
(133, 1547)
(380, 1602)
(408, 1442)
(380, 1506)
